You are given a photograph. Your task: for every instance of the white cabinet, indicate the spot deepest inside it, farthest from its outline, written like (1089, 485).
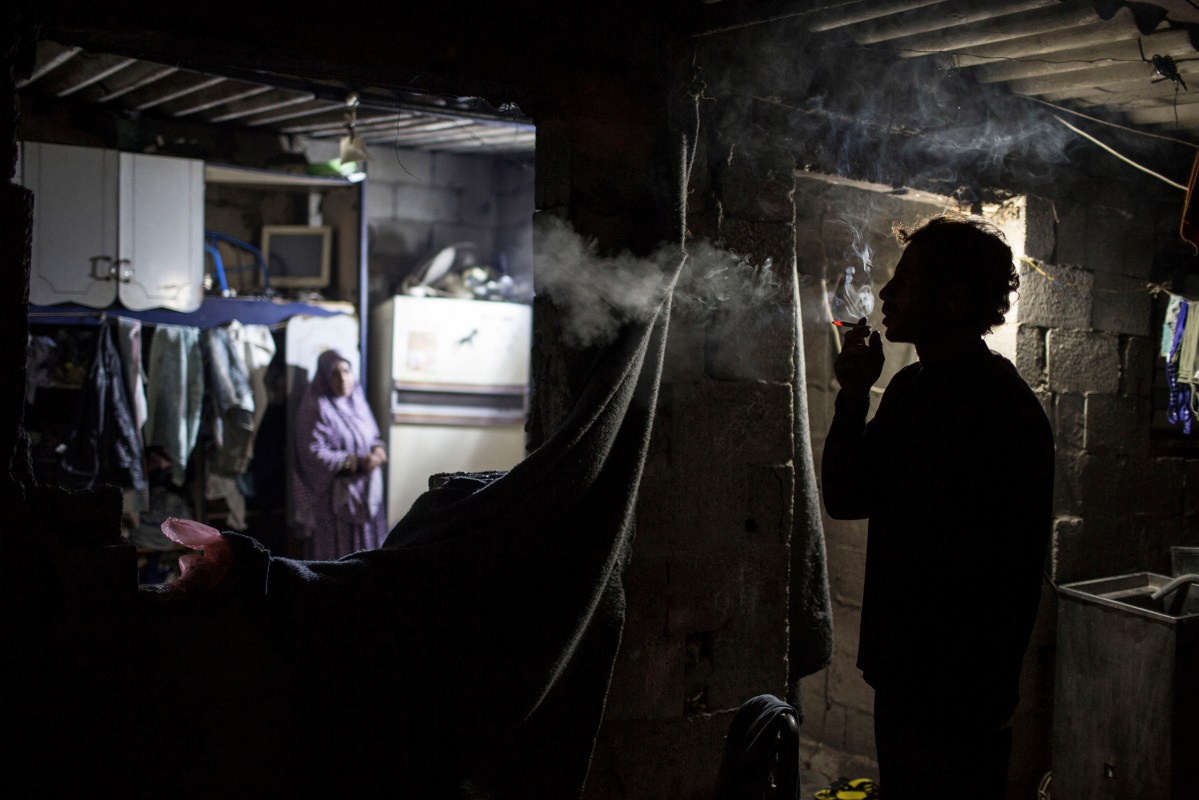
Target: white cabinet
(109, 225)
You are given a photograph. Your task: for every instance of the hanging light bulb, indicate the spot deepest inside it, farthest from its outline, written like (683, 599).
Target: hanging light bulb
(352, 148)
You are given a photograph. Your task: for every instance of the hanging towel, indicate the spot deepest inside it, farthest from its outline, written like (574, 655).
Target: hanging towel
(176, 395)
(232, 406)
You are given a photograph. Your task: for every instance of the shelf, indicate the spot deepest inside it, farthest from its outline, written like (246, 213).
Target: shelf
(248, 176)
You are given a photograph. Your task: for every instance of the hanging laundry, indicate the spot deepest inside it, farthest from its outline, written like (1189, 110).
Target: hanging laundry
(258, 349)
(1173, 306)
(1182, 371)
(104, 447)
(41, 360)
(129, 339)
(175, 396)
(232, 403)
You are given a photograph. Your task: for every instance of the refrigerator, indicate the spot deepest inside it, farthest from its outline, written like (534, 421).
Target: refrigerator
(450, 388)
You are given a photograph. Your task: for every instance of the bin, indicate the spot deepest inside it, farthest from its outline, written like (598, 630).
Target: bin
(1126, 698)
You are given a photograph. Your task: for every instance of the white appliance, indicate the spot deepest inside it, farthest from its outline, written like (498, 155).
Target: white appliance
(449, 384)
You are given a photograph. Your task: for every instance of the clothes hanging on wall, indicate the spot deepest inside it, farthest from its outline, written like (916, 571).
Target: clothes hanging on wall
(232, 402)
(104, 446)
(176, 394)
(1182, 369)
(41, 360)
(129, 339)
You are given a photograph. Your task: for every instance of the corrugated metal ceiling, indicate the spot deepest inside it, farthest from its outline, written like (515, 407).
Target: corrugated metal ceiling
(1137, 60)
(273, 102)
(1129, 60)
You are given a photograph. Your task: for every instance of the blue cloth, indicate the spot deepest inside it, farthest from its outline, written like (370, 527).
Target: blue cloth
(212, 312)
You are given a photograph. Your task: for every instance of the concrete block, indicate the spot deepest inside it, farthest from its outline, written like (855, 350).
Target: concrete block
(1061, 300)
(1069, 421)
(1121, 305)
(1118, 243)
(1040, 228)
(514, 209)
(1067, 481)
(1071, 234)
(402, 241)
(479, 206)
(1191, 487)
(769, 502)
(648, 678)
(733, 422)
(427, 204)
(713, 588)
(1066, 549)
(1104, 482)
(1116, 424)
(1155, 534)
(380, 201)
(401, 165)
(1079, 361)
(1136, 365)
(461, 170)
(752, 345)
(1030, 354)
(1156, 485)
(749, 654)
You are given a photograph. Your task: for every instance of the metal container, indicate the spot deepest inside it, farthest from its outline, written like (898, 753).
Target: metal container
(1126, 705)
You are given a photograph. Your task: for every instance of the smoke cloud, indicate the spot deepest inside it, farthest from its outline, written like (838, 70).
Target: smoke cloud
(853, 295)
(598, 294)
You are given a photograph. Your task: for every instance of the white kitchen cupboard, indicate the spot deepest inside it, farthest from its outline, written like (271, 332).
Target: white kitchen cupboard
(109, 225)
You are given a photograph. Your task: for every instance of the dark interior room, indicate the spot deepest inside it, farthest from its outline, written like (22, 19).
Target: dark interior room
(438, 400)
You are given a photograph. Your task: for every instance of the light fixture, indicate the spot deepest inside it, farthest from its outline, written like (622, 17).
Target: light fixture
(352, 148)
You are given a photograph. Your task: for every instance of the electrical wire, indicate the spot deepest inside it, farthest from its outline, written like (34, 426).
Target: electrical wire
(1111, 124)
(1120, 155)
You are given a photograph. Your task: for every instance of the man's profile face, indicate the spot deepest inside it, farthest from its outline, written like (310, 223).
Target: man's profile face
(911, 301)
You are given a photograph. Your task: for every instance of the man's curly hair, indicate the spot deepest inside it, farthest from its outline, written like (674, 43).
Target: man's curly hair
(971, 253)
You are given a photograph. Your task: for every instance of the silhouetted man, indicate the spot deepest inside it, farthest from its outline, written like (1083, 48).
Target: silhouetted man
(955, 472)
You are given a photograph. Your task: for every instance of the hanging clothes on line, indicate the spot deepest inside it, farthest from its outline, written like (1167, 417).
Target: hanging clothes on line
(104, 447)
(176, 395)
(1182, 369)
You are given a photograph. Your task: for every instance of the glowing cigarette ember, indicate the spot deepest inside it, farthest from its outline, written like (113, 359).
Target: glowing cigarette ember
(840, 323)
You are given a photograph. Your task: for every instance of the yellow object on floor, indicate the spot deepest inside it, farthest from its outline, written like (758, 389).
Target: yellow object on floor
(848, 789)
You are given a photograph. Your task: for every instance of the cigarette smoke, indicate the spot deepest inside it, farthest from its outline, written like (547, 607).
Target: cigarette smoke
(853, 296)
(598, 294)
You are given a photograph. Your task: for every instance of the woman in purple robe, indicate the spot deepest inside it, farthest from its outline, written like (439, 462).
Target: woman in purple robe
(338, 486)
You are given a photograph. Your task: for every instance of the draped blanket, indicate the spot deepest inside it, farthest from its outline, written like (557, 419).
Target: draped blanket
(470, 656)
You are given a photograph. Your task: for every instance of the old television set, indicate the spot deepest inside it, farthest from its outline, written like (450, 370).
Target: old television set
(297, 256)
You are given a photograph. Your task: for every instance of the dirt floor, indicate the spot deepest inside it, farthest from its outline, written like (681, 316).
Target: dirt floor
(821, 765)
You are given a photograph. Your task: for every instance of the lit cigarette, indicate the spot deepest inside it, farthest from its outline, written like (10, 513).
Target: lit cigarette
(840, 323)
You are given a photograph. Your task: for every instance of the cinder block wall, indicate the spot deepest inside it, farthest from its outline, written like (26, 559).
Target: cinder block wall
(1087, 342)
(1082, 334)
(836, 220)
(707, 581)
(419, 202)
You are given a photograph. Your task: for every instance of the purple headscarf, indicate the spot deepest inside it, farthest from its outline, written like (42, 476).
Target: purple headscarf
(328, 429)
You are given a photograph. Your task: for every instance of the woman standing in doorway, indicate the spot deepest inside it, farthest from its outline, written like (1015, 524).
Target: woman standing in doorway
(338, 485)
